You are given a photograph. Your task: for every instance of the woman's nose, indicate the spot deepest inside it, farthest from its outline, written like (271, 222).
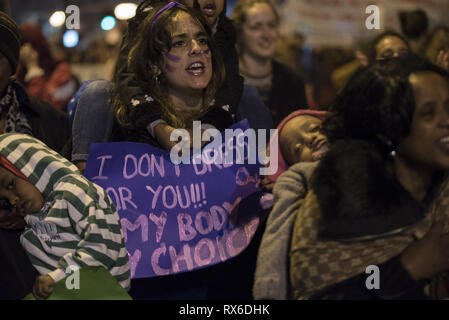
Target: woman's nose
(195, 47)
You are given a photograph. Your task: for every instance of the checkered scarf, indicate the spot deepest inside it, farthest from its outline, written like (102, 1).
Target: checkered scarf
(316, 264)
(10, 109)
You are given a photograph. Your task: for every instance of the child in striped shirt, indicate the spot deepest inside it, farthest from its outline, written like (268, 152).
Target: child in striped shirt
(71, 222)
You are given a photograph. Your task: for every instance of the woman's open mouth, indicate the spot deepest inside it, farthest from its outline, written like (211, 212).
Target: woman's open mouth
(196, 68)
(444, 143)
(209, 9)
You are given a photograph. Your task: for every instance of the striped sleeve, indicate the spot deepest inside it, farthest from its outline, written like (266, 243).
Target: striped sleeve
(97, 222)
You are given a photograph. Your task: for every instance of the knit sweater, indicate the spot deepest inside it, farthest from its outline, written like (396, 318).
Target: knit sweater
(78, 224)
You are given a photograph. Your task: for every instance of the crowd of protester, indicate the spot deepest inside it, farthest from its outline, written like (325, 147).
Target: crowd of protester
(362, 160)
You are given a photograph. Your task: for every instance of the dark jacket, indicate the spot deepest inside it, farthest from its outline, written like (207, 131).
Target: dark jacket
(48, 124)
(287, 93)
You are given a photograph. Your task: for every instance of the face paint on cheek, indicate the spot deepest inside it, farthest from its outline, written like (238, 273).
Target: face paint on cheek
(207, 54)
(175, 59)
(170, 68)
(172, 57)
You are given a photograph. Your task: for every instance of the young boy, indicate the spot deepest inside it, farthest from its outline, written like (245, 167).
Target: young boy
(71, 222)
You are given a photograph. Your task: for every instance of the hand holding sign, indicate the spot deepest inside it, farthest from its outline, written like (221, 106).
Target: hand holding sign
(175, 218)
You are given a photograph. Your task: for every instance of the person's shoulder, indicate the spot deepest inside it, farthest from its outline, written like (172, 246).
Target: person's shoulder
(281, 71)
(300, 169)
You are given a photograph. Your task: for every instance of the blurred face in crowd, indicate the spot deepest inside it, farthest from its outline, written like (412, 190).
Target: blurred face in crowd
(390, 47)
(5, 72)
(19, 195)
(427, 146)
(211, 9)
(301, 140)
(188, 65)
(260, 31)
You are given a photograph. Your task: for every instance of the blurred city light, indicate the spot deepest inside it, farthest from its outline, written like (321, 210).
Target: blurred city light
(125, 11)
(57, 19)
(70, 39)
(108, 23)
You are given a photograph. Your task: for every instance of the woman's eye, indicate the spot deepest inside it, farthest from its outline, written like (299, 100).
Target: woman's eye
(178, 44)
(427, 112)
(202, 41)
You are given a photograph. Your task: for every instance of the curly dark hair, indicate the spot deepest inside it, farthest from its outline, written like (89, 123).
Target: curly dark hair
(148, 44)
(377, 103)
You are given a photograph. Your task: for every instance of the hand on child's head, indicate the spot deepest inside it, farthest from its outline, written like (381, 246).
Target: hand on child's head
(43, 287)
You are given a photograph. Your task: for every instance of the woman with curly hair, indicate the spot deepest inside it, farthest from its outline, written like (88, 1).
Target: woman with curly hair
(135, 81)
(378, 198)
(176, 65)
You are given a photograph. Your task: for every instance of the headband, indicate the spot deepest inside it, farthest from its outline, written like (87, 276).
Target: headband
(12, 168)
(165, 8)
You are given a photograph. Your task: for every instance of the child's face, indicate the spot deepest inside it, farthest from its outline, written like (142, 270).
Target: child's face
(23, 197)
(301, 140)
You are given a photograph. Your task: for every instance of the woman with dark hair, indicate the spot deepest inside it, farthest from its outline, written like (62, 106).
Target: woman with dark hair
(387, 45)
(179, 76)
(378, 198)
(176, 73)
(257, 27)
(43, 76)
(94, 102)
